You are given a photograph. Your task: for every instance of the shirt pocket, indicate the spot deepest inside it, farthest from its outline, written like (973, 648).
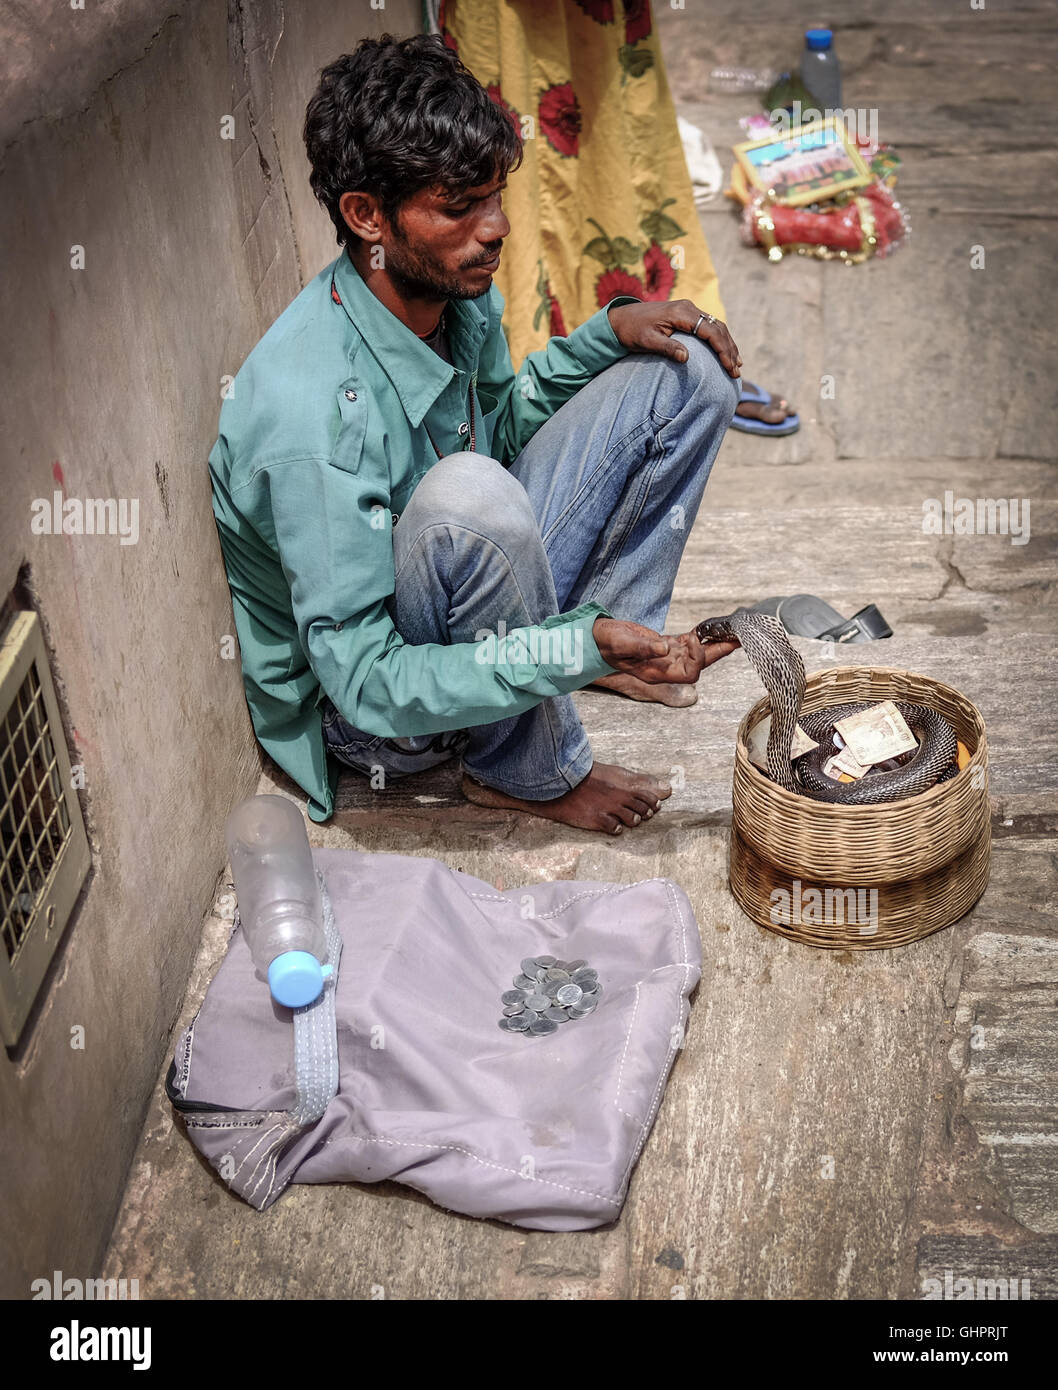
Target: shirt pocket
(348, 448)
(488, 409)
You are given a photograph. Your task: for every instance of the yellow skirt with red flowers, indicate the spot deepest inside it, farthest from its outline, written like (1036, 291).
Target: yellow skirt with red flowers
(602, 204)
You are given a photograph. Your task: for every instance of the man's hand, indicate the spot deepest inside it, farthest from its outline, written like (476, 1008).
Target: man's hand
(639, 651)
(648, 327)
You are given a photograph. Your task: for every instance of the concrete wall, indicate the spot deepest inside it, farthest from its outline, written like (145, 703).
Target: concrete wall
(111, 134)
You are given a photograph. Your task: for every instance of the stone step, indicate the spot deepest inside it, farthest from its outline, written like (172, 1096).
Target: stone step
(883, 549)
(746, 475)
(924, 584)
(950, 390)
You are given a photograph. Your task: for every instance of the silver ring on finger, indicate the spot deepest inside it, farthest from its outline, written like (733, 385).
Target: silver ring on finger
(701, 319)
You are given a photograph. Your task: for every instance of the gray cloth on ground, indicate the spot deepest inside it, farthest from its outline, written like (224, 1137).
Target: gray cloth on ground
(542, 1132)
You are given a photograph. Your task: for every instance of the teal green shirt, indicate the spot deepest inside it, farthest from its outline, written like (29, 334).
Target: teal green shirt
(323, 436)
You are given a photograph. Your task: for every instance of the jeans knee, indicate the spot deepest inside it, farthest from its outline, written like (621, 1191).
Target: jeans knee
(706, 376)
(473, 491)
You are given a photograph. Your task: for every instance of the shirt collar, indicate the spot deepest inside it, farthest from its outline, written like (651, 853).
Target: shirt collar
(416, 372)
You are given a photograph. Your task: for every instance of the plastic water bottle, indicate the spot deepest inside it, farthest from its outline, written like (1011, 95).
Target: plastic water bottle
(820, 69)
(279, 897)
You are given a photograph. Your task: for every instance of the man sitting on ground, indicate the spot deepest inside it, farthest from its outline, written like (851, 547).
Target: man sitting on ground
(427, 552)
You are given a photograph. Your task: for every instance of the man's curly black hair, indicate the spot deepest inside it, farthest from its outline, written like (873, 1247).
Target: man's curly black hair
(399, 115)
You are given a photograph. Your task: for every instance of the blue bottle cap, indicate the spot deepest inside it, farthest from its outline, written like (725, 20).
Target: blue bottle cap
(819, 40)
(295, 978)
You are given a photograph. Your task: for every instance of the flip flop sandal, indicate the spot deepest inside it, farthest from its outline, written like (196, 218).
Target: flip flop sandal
(805, 615)
(755, 396)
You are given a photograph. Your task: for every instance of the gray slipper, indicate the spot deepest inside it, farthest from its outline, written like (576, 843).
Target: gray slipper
(805, 615)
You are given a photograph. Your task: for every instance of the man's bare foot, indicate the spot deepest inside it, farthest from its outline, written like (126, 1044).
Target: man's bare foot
(678, 696)
(609, 798)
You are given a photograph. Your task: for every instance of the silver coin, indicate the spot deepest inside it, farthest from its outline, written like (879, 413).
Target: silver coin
(561, 965)
(543, 1025)
(538, 1003)
(512, 1010)
(519, 1023)
(570, 995)
(529, 966)
(505, 1024)
(556, 1015)
(590, 988)
(555, 974)
(572, 965)
(514, 996)
(541, 975)
(526, 983)
(583, 1009)
(551, 988)
(584, 974)
(545, 961)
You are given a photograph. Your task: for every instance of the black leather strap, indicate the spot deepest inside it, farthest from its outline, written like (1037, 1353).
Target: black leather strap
(867, 625)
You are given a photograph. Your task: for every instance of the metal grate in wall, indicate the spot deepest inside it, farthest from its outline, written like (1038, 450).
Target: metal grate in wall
(44, 854)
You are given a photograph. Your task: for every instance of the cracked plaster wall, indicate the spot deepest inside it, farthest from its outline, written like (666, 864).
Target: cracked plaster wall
(110, 128)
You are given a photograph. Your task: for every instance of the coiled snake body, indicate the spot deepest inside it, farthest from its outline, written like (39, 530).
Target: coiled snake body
(779, 665)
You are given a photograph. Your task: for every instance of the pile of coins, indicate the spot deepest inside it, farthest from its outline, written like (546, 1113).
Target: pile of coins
(548, 992)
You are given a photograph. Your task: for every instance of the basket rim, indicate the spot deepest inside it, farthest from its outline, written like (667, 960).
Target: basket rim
(836, 810)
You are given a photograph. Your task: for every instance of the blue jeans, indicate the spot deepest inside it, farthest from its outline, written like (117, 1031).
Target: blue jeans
(597, 506)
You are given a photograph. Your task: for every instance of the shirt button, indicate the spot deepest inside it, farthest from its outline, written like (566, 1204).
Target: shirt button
(464, 428)
(350, 395)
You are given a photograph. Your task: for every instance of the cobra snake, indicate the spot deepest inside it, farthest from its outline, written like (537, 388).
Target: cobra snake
(779, 666)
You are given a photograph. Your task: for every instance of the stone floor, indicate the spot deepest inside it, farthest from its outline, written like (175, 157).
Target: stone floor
(839, 1125)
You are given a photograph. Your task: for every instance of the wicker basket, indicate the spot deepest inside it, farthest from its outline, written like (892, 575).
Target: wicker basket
(863, 877)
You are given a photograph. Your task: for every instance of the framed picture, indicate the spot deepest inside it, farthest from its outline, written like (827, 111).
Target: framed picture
(804, 165)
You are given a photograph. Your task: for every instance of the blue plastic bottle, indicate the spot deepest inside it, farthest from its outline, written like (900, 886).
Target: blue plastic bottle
(820, 69)
(279, 897)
